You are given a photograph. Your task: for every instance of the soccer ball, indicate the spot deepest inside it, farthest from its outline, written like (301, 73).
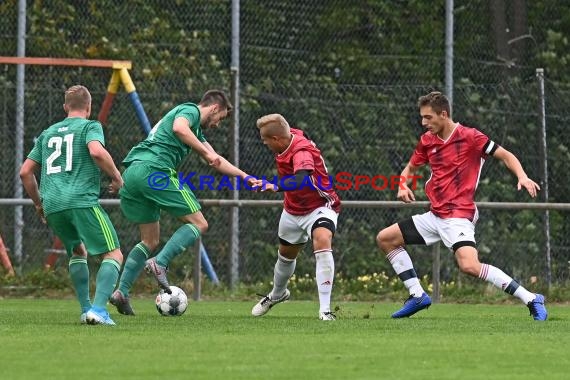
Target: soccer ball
(174, 304)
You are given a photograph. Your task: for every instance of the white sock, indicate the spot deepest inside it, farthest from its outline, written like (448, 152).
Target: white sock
(505, 282)
(283, 270)
(325, 276)
(402, 264)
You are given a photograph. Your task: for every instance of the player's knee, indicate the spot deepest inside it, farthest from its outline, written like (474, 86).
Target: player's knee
(151, 243)
(116, 255)
(379, 238)
(202, 226)
(466, 257)
(469, 268)
(385, 240)
(80, 251)
(322, 240)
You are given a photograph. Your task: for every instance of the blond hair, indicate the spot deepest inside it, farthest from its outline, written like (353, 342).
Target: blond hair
(77, 98)
(274, 125)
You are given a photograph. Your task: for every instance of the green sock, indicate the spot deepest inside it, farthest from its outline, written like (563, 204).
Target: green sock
(133, 267)
(106, 279)
(183, 238)
(79, 273)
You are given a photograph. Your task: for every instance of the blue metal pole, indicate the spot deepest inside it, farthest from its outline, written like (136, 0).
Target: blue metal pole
(207, 265)
(143, 119)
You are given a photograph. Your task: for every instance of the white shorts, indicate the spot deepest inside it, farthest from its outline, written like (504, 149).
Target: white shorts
(432, 229)
(296, 229)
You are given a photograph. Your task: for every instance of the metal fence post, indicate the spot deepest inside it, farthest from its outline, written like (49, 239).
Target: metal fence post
(234, 153)
(197, 272)
(234, 211)
(449, 51)
(19, 134)
(544, 173)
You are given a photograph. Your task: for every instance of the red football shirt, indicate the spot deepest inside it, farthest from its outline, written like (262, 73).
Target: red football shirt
(456, 165)
(317, 190)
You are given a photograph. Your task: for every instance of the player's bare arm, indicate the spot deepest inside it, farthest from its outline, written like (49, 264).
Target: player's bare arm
(225, 167)
(181, 128)
(405, 194)
(28, 177)
(514, 165)
(104, 161)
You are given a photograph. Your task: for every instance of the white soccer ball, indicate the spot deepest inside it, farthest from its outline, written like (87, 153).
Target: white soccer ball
(174, 304)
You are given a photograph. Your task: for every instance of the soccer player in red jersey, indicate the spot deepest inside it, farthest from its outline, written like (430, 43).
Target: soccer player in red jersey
(456, 154)
(310, 211)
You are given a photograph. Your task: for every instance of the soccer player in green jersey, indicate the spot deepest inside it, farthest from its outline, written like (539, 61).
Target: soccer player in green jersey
(152, 184)
(70, 155)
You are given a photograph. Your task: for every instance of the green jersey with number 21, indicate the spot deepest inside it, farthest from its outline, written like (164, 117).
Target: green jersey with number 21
(69, 176)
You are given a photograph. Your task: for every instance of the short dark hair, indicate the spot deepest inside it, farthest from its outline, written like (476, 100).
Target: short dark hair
(216, 97)
(437, 101)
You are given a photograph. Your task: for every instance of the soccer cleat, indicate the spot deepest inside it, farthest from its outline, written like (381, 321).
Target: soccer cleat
(121, 302)
(266, 303)
(413, 305)
(99, 317)
(537, 309)
(159, 272)
(83, 316)
(327, 316)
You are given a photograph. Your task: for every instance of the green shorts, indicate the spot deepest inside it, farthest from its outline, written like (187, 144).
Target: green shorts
(147, 190)
(90, 226)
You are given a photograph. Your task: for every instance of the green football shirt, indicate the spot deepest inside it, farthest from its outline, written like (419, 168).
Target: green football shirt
(162, 148)
(69, 176)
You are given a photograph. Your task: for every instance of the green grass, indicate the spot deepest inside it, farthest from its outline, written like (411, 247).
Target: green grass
(220, 340)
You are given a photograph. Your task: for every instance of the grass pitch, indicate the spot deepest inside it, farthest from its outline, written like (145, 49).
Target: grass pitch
(220, 340)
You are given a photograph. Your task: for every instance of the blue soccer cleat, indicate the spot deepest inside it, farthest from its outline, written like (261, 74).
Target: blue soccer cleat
(413, 305)
(537, 309)
(99, 316)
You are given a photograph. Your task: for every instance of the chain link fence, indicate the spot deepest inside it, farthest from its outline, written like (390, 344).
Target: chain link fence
(348, 73)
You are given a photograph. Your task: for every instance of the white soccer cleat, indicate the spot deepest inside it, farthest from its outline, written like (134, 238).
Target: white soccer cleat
(327, 316)
(266, 303)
